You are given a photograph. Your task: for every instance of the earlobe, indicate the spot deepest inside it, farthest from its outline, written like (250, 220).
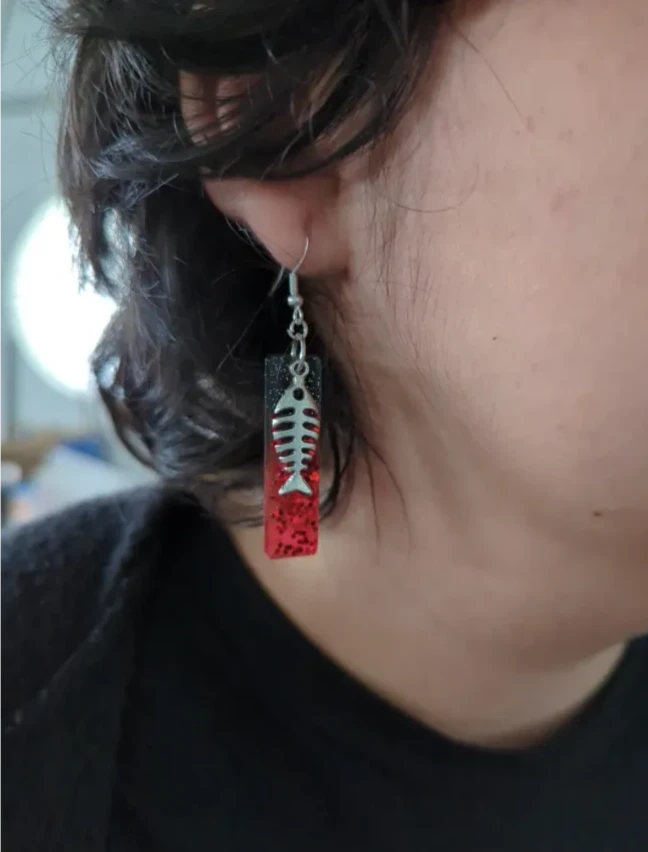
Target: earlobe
(268, 211)
(283, 214)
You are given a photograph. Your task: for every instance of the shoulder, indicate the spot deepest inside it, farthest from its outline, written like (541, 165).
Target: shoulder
(60, 576)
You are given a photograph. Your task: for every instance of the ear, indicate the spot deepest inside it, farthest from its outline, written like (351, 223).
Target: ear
(282, 215)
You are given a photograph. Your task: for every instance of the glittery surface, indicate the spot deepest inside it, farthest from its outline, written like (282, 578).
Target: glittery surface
(291, 520)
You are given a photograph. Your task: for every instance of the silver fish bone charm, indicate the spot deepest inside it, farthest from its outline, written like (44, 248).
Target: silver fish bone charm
(295, 431)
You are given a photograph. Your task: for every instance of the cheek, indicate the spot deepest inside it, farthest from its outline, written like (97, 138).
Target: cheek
(539, 307)
(546, 342)
(559, 401)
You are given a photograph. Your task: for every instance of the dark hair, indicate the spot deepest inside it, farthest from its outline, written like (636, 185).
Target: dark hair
(181, 365)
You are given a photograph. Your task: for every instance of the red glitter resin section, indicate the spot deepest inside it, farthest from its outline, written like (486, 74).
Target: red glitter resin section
(291, 520)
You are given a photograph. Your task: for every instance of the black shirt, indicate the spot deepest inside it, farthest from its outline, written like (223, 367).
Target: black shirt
(239, 734)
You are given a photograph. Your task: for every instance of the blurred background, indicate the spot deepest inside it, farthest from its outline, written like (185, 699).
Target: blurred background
(57, 446)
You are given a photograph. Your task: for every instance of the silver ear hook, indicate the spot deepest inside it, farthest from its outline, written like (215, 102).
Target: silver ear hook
(292, 274)
(298, 329)
(294, 299)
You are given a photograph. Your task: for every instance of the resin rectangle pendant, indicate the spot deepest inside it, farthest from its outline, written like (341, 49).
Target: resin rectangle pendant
(292, 457)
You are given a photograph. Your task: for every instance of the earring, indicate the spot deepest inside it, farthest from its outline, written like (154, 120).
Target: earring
(293, 395)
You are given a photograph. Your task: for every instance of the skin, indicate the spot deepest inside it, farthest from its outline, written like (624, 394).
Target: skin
(493, 278)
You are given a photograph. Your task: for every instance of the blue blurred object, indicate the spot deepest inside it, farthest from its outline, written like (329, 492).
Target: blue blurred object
(89, 446)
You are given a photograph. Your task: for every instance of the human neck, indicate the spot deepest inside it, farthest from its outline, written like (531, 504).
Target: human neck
(494, 639)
